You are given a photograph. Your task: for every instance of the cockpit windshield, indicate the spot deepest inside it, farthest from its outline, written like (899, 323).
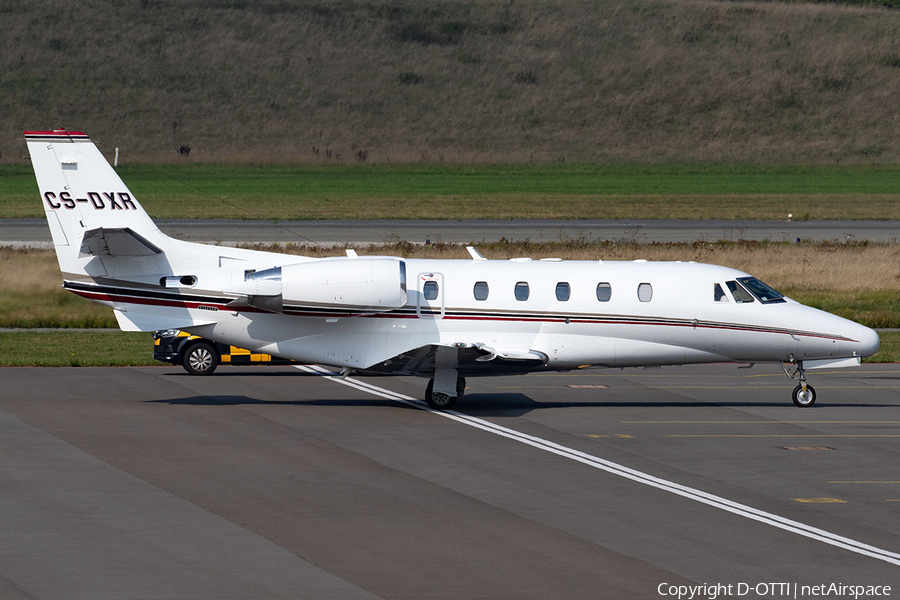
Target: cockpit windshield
(741, 295)
(764, 293)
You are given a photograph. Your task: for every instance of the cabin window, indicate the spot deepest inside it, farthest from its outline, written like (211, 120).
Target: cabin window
(562, 291)
(481, 290)
(645, 292)
(765, 294)
(522, 291)
(719, 294)
(741, 295)
(430, 290)
(604, 292)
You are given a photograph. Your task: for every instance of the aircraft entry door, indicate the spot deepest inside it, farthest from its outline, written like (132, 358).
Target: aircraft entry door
(430, 296)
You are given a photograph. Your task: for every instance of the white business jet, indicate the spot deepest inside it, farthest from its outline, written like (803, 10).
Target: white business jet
(441, 319)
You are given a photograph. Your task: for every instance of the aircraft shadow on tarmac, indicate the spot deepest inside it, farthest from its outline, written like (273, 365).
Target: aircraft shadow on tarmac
(510, 404)
(499, 405)
(216, 400)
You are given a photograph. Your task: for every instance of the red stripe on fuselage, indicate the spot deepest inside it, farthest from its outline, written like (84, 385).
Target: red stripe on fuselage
(126, 299)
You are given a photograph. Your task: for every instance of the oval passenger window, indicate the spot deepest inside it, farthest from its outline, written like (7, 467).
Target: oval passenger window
(522, 291)
(481, 290)
(604, 292)
(645, 292)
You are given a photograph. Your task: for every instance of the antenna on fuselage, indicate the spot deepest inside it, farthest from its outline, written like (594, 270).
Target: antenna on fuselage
(475, 254)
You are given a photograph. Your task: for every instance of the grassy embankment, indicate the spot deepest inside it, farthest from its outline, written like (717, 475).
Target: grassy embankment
(574, 81)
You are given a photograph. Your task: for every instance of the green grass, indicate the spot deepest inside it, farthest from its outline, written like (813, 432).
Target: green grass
(872, 308)
(75, 349)
(117, 348)
(434, 180)
(494, 192)
(889, 352)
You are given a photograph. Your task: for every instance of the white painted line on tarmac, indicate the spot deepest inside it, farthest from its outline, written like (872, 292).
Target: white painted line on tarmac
(623, 471)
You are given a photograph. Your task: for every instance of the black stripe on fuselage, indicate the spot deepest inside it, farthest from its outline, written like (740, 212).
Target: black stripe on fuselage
(142, 293)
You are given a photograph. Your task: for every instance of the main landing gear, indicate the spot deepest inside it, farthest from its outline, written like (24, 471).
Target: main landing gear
(442, 391)
(804, 395)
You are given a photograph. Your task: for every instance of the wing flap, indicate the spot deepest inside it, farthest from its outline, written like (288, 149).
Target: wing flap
(470, 358)
(136, 321)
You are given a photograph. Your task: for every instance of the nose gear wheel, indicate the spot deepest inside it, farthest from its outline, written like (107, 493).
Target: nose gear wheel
(804, 398)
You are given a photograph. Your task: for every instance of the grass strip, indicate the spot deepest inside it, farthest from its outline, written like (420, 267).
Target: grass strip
(889, 352)
(730, 192)
(62, 348)
(872, 308)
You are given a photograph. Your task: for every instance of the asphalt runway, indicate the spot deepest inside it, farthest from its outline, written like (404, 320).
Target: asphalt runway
(34, 232)
(280, 483)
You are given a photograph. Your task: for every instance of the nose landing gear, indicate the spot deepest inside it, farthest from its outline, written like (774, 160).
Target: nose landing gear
(804, 395)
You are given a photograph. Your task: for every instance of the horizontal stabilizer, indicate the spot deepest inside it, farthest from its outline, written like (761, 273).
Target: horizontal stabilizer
(116, 242)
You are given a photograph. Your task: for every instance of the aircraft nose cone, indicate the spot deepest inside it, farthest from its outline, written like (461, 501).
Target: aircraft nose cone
(858, 340)
(868, 341)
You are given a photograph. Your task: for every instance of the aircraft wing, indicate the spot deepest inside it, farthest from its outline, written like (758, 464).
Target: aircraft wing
(466, 358)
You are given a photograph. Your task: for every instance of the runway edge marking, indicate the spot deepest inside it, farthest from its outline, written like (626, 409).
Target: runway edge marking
(622, 471)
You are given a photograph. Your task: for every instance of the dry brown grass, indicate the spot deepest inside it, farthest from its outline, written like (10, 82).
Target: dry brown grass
(797, 266)
(847, 268)
(494, 81)
(31, 294)
(813, 267)
(28, 270)
(857, 281)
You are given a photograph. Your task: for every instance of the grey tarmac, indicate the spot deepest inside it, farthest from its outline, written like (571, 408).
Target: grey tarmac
(34, 232)
(276, 483)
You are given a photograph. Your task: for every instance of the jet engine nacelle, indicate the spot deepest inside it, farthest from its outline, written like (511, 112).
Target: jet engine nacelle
(365, 284)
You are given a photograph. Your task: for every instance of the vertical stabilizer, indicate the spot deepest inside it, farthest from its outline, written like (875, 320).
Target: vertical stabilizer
(85, 200)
